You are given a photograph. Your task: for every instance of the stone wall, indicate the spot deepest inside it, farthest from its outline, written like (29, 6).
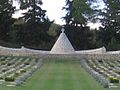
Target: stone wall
(45, 54)
(92, 51)
(21, 52)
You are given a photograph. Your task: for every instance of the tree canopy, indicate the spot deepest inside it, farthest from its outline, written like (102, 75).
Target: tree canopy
(110, 21)
(78, 14)
(6, 20)
(35, 30)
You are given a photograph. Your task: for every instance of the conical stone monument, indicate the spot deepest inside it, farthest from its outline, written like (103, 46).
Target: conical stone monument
(62, 45)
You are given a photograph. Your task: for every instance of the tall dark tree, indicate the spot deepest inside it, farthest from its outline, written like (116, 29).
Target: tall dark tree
(6, 20)
(34, 30)
(69, 9)
(35, 12)
(110, 22)
(78, 14)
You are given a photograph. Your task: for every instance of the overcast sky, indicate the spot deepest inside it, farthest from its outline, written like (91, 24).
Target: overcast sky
(54, 10)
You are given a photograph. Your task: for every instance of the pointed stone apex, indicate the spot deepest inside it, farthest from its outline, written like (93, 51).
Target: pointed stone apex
(62, 45)
(63, 30)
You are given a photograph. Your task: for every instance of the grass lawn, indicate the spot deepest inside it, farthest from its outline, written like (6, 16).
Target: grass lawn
(59, 76)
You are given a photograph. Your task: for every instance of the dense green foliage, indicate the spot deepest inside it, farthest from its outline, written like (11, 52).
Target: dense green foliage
(30, 30)
(33, 33)
(79, 12)
(6, 20)
(110, 32)
(35, 30)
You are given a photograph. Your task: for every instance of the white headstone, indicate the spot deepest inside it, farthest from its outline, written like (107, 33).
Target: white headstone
(62, 45)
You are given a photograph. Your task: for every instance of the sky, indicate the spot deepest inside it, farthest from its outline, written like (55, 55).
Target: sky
(55, 12)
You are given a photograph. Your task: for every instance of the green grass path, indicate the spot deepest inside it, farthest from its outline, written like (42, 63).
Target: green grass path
(59, 76)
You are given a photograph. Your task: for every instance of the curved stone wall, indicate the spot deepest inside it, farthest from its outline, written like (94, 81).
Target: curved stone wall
(86, 54)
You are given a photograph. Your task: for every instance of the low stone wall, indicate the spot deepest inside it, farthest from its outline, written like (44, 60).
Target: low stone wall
(78, 56)
(45, 54)
(92, 51)
(21, 52)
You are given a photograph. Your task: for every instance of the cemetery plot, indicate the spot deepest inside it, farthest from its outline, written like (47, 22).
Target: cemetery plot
(107, 72)
(15, 70)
